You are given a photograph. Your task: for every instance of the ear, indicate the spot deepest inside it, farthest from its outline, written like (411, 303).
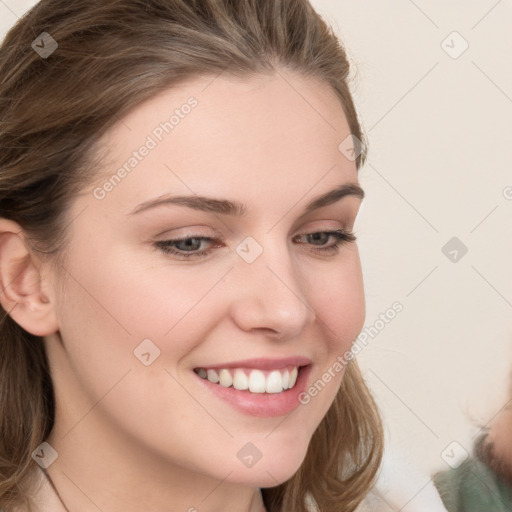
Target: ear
(22, 292)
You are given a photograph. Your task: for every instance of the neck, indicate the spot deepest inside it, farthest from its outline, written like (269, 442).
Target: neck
(95, 475)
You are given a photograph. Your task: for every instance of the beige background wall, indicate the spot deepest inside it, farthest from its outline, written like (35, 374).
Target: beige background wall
(439, 125)
(440, 135)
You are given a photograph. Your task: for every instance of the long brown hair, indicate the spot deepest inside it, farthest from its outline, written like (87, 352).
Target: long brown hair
(112, 55)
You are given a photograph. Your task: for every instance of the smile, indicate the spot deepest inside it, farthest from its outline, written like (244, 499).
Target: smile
(252, 380)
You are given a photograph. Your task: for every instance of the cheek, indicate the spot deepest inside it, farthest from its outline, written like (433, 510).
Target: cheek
(133, 298)
(109, 313)
(104, 316)
(338, 299)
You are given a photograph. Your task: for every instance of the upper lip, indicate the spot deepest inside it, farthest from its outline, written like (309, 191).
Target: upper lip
(262, 363)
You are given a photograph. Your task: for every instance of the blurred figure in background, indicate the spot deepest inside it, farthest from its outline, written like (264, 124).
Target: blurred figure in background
(483, 482)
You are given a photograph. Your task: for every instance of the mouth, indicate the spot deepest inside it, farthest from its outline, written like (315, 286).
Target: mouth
(252, 380)
(258, 387)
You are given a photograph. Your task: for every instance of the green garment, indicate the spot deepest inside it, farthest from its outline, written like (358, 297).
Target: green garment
(473, 487)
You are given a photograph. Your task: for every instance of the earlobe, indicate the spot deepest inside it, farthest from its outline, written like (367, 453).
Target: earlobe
(21, 289)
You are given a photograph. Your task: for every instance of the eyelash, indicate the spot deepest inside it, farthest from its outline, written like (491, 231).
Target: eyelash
(342, 237)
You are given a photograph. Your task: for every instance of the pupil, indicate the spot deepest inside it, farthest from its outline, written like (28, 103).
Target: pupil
(319, 237)
(191, 243)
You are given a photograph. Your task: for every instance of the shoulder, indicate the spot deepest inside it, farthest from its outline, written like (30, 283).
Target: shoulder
(472, 486)
(40, 496)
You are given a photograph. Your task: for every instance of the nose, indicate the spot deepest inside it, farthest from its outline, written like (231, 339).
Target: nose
(270, 295)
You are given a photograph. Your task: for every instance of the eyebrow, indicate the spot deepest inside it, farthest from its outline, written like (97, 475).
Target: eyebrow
(235, 208)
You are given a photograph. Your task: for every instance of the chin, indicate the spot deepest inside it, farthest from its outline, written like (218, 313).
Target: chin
(270, 471)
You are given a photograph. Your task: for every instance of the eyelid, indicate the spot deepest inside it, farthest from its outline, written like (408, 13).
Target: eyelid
(326, 225)
(190, 232)
(333, 232)
(207, 231)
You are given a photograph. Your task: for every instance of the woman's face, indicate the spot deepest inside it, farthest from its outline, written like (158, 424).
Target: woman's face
(140, 312)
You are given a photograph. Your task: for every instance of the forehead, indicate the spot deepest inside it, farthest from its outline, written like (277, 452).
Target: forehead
(263, 132)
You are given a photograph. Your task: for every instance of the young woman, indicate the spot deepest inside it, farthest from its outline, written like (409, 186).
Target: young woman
(178, 271)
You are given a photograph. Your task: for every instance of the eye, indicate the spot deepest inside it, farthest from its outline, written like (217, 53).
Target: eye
(319, 240)
(186, 247)
(194, 247)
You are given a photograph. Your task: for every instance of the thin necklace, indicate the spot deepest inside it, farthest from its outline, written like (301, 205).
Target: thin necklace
(55, 489)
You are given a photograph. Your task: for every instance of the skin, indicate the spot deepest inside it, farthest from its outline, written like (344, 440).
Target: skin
(132, 437)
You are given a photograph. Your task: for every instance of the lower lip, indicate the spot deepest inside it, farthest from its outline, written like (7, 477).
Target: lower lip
(262, 404)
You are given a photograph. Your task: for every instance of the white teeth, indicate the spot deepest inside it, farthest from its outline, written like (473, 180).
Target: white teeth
(273, 384)
(240, 380)
(225, 378)
(256, 381)
(212, 376)
(293, 377)
(285, 379)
